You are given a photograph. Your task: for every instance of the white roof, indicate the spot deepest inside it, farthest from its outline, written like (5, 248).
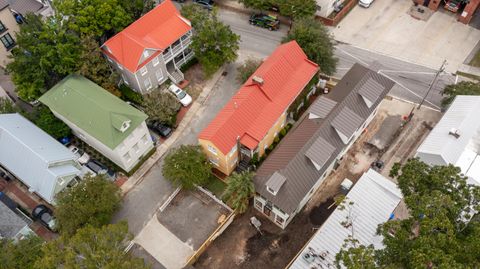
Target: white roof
(33, 156)
(462, 115)
(374, 198)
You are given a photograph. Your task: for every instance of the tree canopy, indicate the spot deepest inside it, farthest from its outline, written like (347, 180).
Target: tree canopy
(21, 254)
(290, 8)
(91, 202)
(462, 88)
(213, 42)
(45, 53)
(97, 18)
(316, 42)
(7, 106)
(136, 8)
(161, 106)
(187, 166)
(91, 247)
(46, 121)
(240, 189)
(443, 227)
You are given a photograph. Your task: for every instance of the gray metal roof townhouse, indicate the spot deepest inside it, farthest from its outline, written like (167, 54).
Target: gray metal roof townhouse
(12, 224)
(295, 169)
(34, 157)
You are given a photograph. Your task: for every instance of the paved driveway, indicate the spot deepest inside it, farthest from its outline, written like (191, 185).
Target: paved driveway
(386, 27)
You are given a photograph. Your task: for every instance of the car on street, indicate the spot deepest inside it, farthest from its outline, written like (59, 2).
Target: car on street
(82, 157)
(160, 128)
(365, 3)
(208, 4)
(266, 21)
(45, 215)
(181, 95)
(453, 5)
(101, 169)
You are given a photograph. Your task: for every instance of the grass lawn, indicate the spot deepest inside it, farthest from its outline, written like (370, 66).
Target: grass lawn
(476, 59)
(216, 186)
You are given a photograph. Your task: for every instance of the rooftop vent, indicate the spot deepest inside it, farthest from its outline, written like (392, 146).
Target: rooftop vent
(454, 132)
(257, 80)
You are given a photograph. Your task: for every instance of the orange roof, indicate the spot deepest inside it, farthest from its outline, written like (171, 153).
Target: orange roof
(254, 109)
(156, 30)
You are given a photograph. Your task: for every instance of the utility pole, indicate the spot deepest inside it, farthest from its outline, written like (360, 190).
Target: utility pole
(442, 68)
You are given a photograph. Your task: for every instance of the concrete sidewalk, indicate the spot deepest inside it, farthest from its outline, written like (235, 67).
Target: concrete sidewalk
(164, 147)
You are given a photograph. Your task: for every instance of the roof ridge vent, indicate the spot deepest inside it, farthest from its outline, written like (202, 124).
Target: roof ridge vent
(454, 132)
(257, 80)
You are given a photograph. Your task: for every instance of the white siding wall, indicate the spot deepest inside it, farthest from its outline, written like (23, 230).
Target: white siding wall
(116, 155)
(326, 7)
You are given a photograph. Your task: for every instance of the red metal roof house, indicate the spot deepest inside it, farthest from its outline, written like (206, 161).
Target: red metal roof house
(151, 49)
(258, 111)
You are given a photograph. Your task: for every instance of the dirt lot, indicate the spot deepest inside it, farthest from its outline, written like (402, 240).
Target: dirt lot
(196, 80)
(241, 246)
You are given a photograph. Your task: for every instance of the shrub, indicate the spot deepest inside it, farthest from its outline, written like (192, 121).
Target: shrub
(128, 94)
(276, 140)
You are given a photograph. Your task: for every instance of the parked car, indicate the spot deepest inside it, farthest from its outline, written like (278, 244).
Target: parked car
(101, 169)
(208, 4)
(45, 215)
(82, 157)
(365, 3)
(160, 128)
(181, 95)
(266, 21)
(453, 5)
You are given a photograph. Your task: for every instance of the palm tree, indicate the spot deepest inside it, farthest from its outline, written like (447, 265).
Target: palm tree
(239, 190)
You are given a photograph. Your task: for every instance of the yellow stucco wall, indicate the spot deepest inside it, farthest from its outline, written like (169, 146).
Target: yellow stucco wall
(12, 27)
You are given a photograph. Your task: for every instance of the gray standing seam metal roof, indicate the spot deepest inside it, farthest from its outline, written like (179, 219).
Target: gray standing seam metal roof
(289, 158)
(371, 90)
(25, 6)
(347, 122)
(3, 4)
(322, 107)
(320, 151)
(276, 181)
(10, 223)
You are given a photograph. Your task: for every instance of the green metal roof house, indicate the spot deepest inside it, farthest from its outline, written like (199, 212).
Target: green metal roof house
(102, 120)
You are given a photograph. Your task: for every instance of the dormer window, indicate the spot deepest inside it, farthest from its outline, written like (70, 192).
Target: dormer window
(272, 191)
(120, 122)
(275, 182)
(125, 126)
(146, 53)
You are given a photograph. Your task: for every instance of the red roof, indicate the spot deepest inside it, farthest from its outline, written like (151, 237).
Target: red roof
(156, 30)
(254, 109)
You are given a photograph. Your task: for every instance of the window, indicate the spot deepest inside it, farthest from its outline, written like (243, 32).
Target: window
(8, 41)
(155, 61)
(159, 75)
(148, 84)
(144, 139)
(143, 71)
(212, 150)
(127, 157)
(125, 79)
(214, 161)
(270, 190)
(136, 148)
(279, 220)
(2, 27)
(146, 53)
(258, 205)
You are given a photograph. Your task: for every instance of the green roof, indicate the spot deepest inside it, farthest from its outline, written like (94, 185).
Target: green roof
(93, 109)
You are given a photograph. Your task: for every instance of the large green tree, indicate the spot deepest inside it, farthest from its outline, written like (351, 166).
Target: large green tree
(91, 247)
(91, 202)
(213, 42)
(97, 18)
(315, 41)
(462, 88)
(297, 9)
(21, 254)
(136, 8)
(239, 190)
(45, 53)
(443, 228)
(95, 67)
(7, 106)
(258, 4)
(187, 166)
(161, 106)
(46, 121)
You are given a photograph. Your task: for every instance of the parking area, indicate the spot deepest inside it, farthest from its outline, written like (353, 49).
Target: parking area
(386, 27)
(177, 232)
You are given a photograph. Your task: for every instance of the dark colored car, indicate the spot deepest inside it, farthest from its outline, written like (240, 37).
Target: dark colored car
(101, 169)
(160, 128)
(208, 4)
(453, 5)
(44, 214)
(266, 21)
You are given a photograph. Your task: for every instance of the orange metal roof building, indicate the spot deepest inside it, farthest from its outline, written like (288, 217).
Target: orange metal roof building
(255, 108)
(156, 30)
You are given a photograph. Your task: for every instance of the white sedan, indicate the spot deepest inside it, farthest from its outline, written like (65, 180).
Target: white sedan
(181, 95)
(365, 3)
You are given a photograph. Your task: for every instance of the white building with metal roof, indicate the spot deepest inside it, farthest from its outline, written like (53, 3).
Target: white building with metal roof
(34, 157)
(374, 199)
(456, 138)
